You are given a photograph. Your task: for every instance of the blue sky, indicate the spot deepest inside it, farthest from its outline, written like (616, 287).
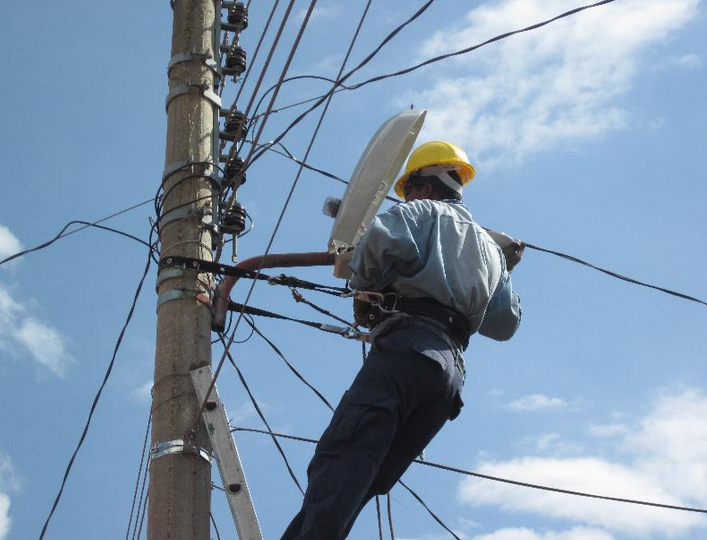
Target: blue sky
(588, 136)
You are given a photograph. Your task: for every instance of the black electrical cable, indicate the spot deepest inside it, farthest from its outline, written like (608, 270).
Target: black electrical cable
(142, 504)
(266, 65)
(213, 522)
(290, 366)
(615, 274)
(86, 225)
(109, 370)
(498, 479)
(255, 115)
(144, 513)
(139, 475)
(474, 47)
(62, 235)
(390, 516)
(341, 80)
(434, 516)
(443, 57)
(262, 416)
(380, 518)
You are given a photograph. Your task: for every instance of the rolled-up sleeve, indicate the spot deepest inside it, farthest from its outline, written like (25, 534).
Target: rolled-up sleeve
(503, 313)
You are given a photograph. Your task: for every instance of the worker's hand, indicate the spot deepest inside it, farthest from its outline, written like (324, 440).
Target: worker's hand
(513, 253)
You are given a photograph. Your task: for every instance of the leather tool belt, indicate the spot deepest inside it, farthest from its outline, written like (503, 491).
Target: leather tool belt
(384, 305)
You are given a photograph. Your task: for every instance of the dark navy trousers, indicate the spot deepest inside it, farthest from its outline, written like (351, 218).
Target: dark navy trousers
(408, 387)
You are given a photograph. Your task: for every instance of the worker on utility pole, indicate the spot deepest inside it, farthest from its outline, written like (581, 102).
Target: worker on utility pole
(428, 278)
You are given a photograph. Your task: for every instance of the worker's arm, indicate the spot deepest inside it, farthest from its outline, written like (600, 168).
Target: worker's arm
(503, 313)
(386, 250)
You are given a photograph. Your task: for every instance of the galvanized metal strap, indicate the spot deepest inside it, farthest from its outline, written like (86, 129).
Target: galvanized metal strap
(189, 56)
(177, 446)
(189, 88)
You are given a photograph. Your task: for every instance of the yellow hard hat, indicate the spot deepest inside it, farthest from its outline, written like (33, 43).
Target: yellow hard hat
(436, 153)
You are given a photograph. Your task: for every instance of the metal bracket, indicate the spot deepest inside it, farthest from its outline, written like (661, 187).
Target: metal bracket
(177, 446)
(177, 166)
(168, 296)
(176, 214)
(187, 57)
(204, 90)
(168, 273)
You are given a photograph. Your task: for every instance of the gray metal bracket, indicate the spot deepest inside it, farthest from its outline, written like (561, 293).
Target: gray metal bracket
(168, 273)
(229, 462)
(168, 296)
(204, 90)
(177, 166)
(177, 446)
(188, 57)
(176, 214)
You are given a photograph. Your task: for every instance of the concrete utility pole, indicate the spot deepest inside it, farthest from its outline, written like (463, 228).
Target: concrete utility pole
(180, 474)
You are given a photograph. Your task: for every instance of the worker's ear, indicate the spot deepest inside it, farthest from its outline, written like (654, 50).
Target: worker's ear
(426, 191)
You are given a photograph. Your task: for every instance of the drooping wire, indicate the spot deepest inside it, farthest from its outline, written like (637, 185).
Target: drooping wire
(213, 522)
(282, 213)
(233, 152)
(356, 86)
(474, 47)
(341, 79)
(429, 510)
(499, 479)
(62, 234)
(108, 372)
(615, 274)
(289, 365)
(390, 516)
(139, 475)
(380, 518)
(257, 408)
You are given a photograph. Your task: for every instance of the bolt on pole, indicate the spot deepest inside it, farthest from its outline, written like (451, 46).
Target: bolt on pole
(180, 473)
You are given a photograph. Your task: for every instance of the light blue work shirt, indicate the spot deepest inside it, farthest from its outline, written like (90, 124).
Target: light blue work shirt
(434, 249)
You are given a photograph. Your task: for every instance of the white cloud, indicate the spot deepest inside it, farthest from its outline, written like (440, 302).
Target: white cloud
(667, 463)
(9, 244)
(22, 335)
(8, 482)
(607, 430)
(320, 12)
(536, 402)
(579, 533)
(544, 88)
(690, 61)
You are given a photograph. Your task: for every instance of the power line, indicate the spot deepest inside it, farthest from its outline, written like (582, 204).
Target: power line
(504, 480)
(108, 372)
(139, 475)
(340, 80)
(86, 224)
(257, 408)
(474, 47)
(615, 274)
(439, 58)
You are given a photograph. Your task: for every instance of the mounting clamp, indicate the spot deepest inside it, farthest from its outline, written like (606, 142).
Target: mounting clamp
(177, 446)
(190, 88)
(188, 57)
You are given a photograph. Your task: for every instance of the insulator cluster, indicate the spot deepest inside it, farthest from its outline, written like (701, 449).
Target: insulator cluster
(233, 219)
(233, 170)
(235, 126)
(236, 21)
